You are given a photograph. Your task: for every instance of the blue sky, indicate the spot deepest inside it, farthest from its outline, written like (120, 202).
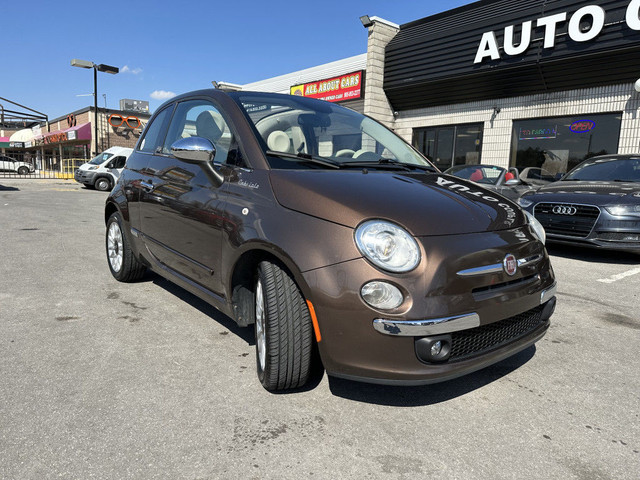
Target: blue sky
(170, 46)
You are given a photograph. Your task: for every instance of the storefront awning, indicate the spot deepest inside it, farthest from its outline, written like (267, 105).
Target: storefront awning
(24, 135)
(79, 132)
(5, 142)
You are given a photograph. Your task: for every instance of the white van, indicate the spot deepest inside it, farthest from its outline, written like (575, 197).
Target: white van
(103, 171)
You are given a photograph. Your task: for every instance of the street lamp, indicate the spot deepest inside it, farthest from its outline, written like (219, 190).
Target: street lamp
(96, 67)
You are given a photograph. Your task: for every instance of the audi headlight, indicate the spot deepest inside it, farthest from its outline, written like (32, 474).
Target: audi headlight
(524, 203)
(387, 246)
(623, 209)
(537, 227)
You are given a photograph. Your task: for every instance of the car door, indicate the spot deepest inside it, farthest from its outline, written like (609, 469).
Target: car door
(3, 163)
(180, 209)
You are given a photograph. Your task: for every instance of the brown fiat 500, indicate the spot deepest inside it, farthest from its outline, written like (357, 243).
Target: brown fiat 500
(334, 237)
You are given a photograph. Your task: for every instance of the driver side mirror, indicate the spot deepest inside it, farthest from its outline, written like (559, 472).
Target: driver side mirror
(513, 182)
(198, 151)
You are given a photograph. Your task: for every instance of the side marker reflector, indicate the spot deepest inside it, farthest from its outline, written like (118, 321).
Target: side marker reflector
(314, 320)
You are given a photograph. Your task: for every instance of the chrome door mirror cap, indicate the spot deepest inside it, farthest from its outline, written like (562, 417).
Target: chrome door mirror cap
(193, 150)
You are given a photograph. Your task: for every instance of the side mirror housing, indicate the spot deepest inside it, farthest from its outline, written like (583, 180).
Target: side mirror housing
(513, 182)
(198, 151)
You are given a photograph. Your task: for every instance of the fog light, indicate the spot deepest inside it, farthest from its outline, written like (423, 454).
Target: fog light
(382, 295)
(434, 349)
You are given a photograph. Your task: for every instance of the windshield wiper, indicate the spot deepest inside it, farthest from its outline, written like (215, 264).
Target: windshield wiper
(305, 157)
(388, 163)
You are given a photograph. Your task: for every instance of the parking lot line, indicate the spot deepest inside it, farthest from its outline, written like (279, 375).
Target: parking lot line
(620, 276)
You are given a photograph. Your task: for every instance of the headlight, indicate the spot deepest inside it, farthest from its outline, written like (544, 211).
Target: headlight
(623, 209)
(93, 168)
(537, 227)
(387, 246)
(524, 203)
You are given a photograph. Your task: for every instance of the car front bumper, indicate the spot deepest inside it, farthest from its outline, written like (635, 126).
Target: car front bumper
(86, 177)
(499, 315)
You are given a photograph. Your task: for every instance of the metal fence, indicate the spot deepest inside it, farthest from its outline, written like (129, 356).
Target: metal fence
(26, 167)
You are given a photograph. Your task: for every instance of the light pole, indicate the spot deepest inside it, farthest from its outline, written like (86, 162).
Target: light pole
(96, 67)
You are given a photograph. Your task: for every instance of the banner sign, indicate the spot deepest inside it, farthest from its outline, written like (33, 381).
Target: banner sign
(336, 89)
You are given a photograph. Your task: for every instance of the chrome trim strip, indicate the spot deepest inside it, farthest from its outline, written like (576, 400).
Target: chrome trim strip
(548, 293)
(495, 268)
(528, 260)
(434, 326)
(498, 267)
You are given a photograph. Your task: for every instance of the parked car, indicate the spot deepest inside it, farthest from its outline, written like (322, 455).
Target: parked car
(103, 171)
(330, 234)
(508, 183)
(596, 204)
(10, 164)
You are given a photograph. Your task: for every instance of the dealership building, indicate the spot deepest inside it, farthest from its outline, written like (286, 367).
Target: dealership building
(505, 82)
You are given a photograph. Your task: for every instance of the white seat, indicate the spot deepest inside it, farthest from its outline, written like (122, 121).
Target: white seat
(278, 141)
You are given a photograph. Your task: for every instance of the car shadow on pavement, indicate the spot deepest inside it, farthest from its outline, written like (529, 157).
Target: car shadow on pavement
(593, 255)
(244, 333)
(424, 395)
(4, 188)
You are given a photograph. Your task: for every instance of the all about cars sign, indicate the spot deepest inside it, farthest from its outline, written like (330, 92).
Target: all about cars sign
(336, 89)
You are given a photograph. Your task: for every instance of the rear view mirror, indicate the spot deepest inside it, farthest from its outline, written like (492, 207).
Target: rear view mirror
(512, 182)
(198, 151)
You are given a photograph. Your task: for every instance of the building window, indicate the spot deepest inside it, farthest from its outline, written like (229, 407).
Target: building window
(450, 145)
(558, 144)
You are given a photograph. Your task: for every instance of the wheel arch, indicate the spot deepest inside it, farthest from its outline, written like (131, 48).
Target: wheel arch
(242, 279)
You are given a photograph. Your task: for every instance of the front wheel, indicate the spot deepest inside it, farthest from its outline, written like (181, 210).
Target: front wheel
(23, 170)
(124, 266)
(283, 328)
(103, 184)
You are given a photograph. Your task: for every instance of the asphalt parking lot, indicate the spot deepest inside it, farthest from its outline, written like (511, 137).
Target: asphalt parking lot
(105, 380)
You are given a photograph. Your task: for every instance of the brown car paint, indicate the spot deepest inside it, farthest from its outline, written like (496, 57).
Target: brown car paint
(202, 237)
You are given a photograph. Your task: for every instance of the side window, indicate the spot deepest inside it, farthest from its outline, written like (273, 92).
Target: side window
(154, 133)
(199, 118)
(118, 162)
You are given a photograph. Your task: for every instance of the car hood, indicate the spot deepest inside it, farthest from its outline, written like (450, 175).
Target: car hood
(424, 203)
(601, 193)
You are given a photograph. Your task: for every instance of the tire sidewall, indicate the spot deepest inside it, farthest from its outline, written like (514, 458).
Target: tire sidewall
(23, 171)
(115, 218)
(262, 376)
(103, 184)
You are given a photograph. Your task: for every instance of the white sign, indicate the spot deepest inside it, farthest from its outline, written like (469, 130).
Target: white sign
(489, 48)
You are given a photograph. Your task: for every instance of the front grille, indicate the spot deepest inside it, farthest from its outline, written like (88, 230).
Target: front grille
(479, 340)
(578, 225)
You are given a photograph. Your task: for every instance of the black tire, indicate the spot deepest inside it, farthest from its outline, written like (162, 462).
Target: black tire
(124, 266)
(23, 170)
(287, 331)
(103, 184)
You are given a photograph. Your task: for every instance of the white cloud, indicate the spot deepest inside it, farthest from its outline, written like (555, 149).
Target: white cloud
(128, 69)
(162, 95)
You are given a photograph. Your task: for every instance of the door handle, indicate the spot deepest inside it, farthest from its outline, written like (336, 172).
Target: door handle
(148, 187)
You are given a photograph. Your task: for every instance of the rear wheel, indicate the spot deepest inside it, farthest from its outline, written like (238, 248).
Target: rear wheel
(284, 341)
(103, 184)
(124, 266)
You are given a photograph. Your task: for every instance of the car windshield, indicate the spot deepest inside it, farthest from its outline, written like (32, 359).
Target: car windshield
(305, 133)
(489, 175)
(101, 158)
(607, 169)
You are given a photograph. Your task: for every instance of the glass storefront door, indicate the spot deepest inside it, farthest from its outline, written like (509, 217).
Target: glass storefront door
(450, 145)
(558, 144)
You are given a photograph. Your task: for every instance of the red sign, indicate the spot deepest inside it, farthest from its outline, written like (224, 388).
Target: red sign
(336, 89)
